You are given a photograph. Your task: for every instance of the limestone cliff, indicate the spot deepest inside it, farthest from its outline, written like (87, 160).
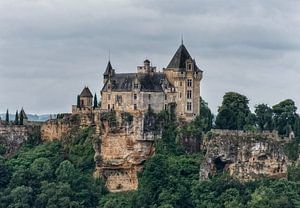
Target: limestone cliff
(13, 136)
(244, 155)
(121, 151)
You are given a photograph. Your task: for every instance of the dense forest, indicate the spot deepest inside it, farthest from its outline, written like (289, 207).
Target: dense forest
(59, 174)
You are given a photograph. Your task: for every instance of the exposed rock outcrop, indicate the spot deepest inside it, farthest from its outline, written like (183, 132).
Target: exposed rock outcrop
(244, 155)
(120, 153)
(13, 136)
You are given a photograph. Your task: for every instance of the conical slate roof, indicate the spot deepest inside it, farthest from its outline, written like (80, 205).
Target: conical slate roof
(109, 69)
(179, 59)
(86, 93)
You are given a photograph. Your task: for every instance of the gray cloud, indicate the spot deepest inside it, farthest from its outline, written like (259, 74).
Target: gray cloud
(50, 49)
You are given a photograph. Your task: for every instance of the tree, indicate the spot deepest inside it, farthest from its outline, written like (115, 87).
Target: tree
(42, 168)
(264, 117)
(95, 101)
(233, 112)
(21, 118)
(21, 196)
(206, 116)
(78, 102)
(65, 171)
(17, 118)
(7, 116)
(285, 116)
(226, 119)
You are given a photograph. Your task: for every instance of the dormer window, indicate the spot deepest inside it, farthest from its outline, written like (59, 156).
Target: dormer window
(190, 67)
(136, 86)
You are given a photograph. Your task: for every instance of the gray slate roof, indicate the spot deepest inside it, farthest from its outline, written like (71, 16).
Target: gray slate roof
(86, 93)
(108, 69)
(179, 59)
(148, 83)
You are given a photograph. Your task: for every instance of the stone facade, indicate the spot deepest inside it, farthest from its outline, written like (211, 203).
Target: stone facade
(177, 87)
(244, 155)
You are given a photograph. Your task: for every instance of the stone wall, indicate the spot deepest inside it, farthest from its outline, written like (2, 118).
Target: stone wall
(244, 155)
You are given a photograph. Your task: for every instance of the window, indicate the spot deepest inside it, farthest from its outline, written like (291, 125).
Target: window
(180, 95)
(180, 83)
(189, 106)
(166, 106)
(189, 83)
(108, 106)
(108, 97)
(134, 107)
(109, 86)
(149, 106)
(166, 97)
(189, 94)
(136, 86)
(149, 96)
(190, 66)
(135, 96)
(113, 106)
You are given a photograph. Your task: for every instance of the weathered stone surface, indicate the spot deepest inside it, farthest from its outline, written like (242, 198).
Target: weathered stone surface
(120, 153)
(244, 155)
(13, 136)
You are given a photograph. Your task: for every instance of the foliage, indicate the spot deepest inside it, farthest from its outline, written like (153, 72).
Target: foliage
(233, 112)
(52, 174)
(7, 116)
(285, 116)
(95, 101)
(109, 117)
(264, 117)
(292, 149)
(206, 116)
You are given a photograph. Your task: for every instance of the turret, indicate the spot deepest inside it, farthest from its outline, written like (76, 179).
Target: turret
(86, 98)
(109, 72)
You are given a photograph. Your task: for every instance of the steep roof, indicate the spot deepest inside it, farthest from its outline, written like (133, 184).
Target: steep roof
(148, 82)
(108, 69)
(179, 58)
(86, 93)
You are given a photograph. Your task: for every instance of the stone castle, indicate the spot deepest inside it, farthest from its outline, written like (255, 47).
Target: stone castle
(122, 147)
(176, 88)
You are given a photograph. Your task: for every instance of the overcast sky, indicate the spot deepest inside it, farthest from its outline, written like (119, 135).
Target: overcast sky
(51, 49)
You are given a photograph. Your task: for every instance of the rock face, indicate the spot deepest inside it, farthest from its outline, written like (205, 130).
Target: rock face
(122, 142)
(120, 153)
(244, 155)
(13, 136)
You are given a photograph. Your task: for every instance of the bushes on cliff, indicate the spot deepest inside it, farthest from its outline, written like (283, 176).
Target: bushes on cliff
(53, 174)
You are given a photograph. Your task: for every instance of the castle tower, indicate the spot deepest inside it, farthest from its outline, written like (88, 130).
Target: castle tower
(185, 76)
(86, 98)
(109, 72)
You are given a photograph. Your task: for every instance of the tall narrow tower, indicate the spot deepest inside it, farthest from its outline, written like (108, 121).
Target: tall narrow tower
(185, 75)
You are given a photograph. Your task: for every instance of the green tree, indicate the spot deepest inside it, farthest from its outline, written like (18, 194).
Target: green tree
(7, 116)
(21, 119)
(95, 101)
(285, 116)
(21, 196)
(65, 171)
(206, 116)
(42, 168)
(17, 118)
(233, 112)
(78, 102)
(264, 117)
(4, 173)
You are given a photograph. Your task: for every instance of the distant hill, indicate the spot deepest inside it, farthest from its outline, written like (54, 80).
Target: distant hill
(31, 117)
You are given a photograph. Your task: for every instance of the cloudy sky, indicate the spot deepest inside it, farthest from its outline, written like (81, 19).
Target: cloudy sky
(51, 49)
